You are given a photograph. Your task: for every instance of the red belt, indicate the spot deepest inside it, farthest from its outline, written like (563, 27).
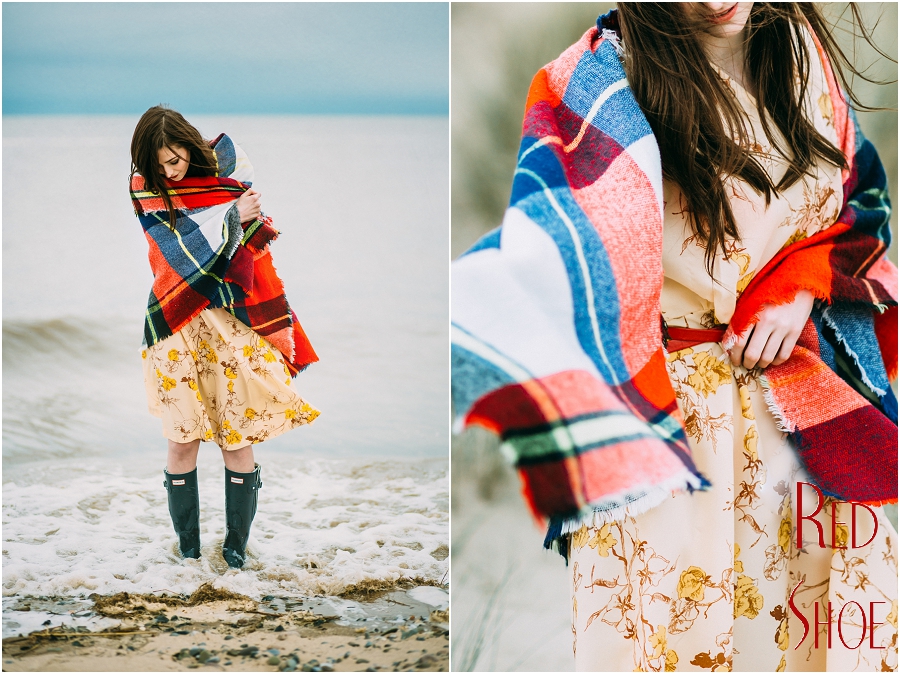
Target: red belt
(683, 338)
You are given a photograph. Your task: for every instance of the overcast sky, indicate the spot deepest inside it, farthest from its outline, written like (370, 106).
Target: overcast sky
(231, 57)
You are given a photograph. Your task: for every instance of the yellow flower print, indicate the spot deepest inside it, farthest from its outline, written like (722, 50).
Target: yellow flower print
(580, 538)
(230, 373)
(194, 355)
(678, 355)
(825, 107)
(738, 564)
(231, 387)
(226, 425)
(248, 351)
(892, 616)
(747, 599)
(288, 381)
(306, 407)
(842, 535)
(208, 435)
(173, 355)
(269, 357)
(781, 636)
(710, 373)
(158, 373)
(209, 354)
(289, 414)
(746, 409)
(144, 354)
(743, 261)
(233, 438)
(671, 661)
(193, 386)
(250, 413)
(658, 641)
(784, 533)
(168, 383)
(690, 585)
(750, 440)
(603, 541)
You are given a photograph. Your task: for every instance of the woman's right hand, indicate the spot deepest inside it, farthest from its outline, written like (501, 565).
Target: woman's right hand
(248, 205)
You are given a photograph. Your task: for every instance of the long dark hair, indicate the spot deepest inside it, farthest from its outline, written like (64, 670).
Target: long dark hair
(161, 127)
(696, 119)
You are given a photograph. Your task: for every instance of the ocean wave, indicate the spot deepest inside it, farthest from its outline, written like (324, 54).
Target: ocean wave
(68, 339)
(324, 527)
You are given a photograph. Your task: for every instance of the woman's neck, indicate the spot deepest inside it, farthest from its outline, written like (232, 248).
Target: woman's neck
(727, 53)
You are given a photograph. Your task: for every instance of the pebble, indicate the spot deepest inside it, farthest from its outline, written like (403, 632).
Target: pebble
(280, 628)
(204, 656)
(273, 660)
(195, 651)
(229, 636)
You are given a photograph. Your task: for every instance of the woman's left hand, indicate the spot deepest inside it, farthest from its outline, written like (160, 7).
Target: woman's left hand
(772, 338)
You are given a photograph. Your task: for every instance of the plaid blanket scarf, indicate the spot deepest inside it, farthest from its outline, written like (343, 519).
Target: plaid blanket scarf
(556, 328)
(212, 260)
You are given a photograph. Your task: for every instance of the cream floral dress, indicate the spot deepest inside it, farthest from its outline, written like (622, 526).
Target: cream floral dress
(218, 380)
(703, 581)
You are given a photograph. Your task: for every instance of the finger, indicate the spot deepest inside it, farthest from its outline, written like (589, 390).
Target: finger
(755, 347)
(771, 350)
(736, 353)
(787, 348)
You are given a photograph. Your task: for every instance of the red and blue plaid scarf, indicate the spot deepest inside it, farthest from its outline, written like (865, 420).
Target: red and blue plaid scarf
(557, 343)
(211, 260)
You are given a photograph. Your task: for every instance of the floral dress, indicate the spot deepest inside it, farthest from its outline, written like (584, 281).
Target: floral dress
(704, 581)
(218, 380)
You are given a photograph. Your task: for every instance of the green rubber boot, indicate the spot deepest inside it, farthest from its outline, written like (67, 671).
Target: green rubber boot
(184, 508)
(241, 493)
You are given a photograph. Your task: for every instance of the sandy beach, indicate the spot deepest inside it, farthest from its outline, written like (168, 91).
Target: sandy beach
(219, 631)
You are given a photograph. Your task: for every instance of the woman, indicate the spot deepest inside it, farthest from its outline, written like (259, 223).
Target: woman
(755, 251)
(221, 341)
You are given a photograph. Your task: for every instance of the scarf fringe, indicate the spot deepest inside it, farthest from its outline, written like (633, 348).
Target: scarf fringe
(594, 515)
(826, 316)
(782, 423)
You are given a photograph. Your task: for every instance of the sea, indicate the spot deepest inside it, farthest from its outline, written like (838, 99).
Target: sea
(358, 499)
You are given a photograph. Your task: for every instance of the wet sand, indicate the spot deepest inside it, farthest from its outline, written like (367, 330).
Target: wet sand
(220, 631)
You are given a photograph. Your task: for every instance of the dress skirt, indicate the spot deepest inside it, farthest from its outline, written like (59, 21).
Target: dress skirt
(702, 582)
(218, 380)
